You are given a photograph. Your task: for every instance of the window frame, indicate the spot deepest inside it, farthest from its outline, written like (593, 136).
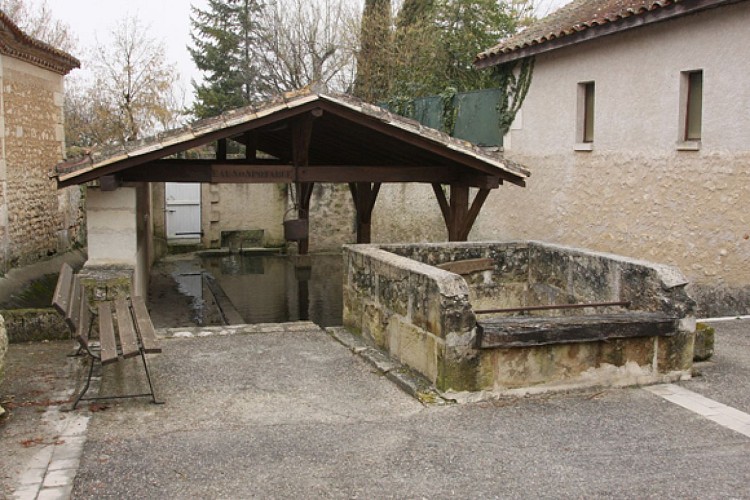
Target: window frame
(687, 139)
(586, 119)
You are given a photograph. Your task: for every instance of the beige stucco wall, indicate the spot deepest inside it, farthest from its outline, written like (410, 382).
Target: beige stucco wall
(111, 226)
(635, 193)
(407, 213)
(36, 220)
(242, 207)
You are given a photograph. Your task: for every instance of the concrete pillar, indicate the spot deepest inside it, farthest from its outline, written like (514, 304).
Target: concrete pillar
(111, 221)
(112, 227)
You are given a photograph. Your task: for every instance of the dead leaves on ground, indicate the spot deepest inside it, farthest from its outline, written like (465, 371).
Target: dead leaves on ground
(28, 443)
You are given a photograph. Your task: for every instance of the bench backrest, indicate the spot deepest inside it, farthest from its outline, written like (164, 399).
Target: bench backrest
(61, 298)
(70, 301)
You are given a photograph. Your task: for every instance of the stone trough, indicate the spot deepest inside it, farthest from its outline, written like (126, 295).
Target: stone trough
(422, 303)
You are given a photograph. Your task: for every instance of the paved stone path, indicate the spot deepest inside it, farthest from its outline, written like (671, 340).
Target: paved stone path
(724, 415)
(50, 473)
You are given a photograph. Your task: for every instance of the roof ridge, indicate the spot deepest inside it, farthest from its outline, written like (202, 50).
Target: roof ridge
(35, 51)
(582, 15)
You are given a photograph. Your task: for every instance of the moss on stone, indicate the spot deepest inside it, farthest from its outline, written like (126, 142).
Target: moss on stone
(457, 373)
(704, 342)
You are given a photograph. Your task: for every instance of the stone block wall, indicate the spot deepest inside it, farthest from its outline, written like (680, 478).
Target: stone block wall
(36, 220)
(424, 316)
(34, 325)
(530, 273)
(413, 310)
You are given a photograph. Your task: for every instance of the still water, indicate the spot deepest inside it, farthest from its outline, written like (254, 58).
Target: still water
(277, 288)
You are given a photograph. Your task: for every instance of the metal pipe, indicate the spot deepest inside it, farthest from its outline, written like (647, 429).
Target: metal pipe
(556, 306)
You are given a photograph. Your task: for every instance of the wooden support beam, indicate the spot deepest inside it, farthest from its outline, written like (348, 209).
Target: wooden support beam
(458, 216)
(221, 149)
(471, 217)
(443, 202)
(301, 136)
(250, 140)
(160, 172)
(364, 195)
(459, 209)
(304, 194)
(377, 173)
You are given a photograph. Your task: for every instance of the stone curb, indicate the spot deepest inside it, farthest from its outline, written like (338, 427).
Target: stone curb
(51, 472)
(405, 379)
(242, 329)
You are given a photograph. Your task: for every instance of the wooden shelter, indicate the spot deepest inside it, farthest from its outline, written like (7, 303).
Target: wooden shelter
(305, 137)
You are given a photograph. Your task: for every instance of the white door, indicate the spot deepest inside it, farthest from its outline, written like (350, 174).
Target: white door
(183, 210)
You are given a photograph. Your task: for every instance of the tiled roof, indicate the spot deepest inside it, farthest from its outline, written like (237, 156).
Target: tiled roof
(16, 43)
(172, 141)
(580, 16)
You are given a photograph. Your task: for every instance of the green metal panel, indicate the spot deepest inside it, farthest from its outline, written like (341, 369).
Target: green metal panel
(429, 112)
(478, 117)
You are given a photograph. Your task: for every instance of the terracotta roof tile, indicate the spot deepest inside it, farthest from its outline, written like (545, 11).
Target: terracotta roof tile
(579, 16)
(16, 43)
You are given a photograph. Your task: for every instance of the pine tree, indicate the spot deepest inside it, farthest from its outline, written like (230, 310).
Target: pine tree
(414, 12)
(469, 27)
(417, 58)
(436, 41)
(373, 60)
(224, 37)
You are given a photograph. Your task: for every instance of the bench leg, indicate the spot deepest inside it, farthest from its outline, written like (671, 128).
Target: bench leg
(86, 386)
(79, 351)
(148, 377)
(151, 392)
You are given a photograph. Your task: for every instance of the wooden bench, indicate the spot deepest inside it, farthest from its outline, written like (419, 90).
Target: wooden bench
(124, 329)
(525, 331)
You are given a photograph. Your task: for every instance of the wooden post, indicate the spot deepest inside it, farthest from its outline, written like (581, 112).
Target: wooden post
(301, 135)
(251, 145)
(459, 208)
(364, 195)
(221, 149)
(459, 217)
(304, 193)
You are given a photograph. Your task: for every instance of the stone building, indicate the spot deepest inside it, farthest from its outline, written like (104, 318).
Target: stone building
(36, 220)
(636, 129)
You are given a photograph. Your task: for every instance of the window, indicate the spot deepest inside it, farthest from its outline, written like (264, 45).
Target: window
(585, 126)
(588, 114)
(693, 105)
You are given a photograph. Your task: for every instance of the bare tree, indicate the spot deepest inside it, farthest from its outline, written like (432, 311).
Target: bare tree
(130, 92)
(133, 92)
(308, 42)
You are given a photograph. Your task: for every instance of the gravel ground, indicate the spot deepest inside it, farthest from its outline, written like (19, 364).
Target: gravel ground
(288, 415)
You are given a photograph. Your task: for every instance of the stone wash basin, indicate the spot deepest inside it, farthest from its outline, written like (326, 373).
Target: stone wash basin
(420, 301)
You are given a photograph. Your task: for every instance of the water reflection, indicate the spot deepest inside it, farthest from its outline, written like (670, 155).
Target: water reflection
(274, 289)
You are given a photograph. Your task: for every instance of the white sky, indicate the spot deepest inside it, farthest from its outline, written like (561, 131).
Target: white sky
(169, 21)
